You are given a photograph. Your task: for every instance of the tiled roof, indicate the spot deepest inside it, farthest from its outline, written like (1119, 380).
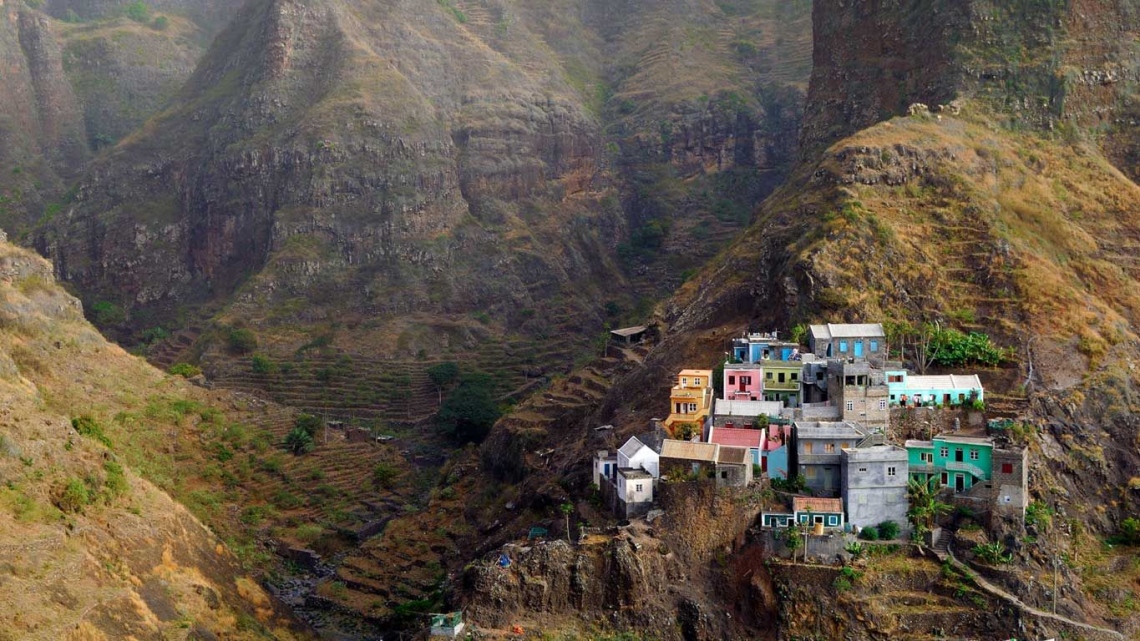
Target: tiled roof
(735, 437)
(814, 504)
(861, 330)
(688, 450)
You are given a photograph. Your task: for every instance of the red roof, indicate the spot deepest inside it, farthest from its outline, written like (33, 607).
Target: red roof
(735, 437)
(815, 504)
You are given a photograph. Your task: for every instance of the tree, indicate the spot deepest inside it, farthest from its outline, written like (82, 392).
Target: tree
(799, 333)
(298, 441)
(925, 508)
(240, 341)
(922, 346)
(384, 475)
(567, 509)
(311, 424)
(470, 411)
(441, 375)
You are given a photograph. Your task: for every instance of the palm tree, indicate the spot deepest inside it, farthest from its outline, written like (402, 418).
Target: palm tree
(925, 508)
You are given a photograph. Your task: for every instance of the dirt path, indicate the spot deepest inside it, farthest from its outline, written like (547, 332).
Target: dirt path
(1002, 594)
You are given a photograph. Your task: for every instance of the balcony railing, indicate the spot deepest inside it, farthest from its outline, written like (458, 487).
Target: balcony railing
(958, 466)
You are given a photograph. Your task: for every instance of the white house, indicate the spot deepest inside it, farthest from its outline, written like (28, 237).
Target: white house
(634, 487)
(635, 455)
(605, 465)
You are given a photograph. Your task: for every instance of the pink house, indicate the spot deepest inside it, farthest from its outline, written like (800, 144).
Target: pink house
(743, 382)
(736, 437)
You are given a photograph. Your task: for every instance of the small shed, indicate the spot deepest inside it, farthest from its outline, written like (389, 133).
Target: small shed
(629, 335)
(447, 626)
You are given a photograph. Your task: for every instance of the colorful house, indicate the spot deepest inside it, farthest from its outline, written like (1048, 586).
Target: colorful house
(756, 347)
(958, 462)
(861, 341)
(909, 390)
(742, 382)
(752, 440)
(810, 510)
(782, 381)
(774, 455)
(691, 398)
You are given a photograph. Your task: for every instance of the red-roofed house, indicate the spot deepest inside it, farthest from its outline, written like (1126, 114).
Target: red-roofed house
(809, 510)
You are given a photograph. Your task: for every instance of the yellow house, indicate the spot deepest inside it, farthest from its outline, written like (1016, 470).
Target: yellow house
(690, 401)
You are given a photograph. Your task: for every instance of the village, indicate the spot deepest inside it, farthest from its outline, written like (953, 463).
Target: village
(816, 424)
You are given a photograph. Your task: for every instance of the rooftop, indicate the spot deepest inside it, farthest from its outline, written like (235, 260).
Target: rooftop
(626, 332)
(829, 331)
(735, 437)
(695, 372)
(814, 504)
(734, 366)
(631, 447)
(733, 456)
(965, 440)
(916, 444)
(689, 450)
(947, 381)
(874, 452)
(634, 474)
(746, 409)
(824, 429)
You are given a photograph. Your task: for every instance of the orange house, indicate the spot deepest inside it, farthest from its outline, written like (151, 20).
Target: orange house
(690, 401)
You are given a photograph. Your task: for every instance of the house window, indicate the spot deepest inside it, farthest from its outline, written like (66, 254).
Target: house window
(944, 452)
(807, 447)
(685, 381)
(732, 380)
(832, 519)
(795, 376)
(843, 346)
(637, 488)
(811, 472)
(745, 380)
(891, 470)
(724, 475)
(781, 377)
(818, 519)
(927, 457)
(768, 375)
(692, 408)
(882, 403)
(874, 345)
(973, 455)
(945, 478)
(850, 406)
(1007, 468)
(895, 378)
(829, 448)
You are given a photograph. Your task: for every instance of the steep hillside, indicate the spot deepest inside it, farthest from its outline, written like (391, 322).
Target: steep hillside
(88, 548)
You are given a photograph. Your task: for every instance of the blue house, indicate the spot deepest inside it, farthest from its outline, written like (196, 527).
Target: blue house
(754, 348)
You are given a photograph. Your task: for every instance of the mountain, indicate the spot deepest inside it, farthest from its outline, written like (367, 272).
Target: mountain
(424, 179)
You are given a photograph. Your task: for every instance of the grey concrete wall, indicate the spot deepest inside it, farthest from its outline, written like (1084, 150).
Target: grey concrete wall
(872, 497)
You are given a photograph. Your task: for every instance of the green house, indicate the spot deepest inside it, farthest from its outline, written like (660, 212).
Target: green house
(782, 381)
(959, 462)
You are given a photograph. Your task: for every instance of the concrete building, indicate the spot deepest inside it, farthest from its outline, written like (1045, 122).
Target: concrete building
(447, 626)
(958, 462)
(909, 390)
(605, 467)
(818, 452)
(634, 491)
(875, 484)
(1011, 482)
(860, 392)
(733, 467)
(861, 342)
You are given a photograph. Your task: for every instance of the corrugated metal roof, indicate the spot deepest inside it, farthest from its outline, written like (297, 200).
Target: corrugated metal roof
(722, 407)
(920, 444)
(688, 450)
(815, 504)
(850, 330)
(629, 331)
(736, 437)
(733, 456)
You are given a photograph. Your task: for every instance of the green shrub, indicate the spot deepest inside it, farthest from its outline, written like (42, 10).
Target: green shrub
(888, 530)
(138, 11)
(992, 553)
(285, 500)
(1130, 531)
(793, 485)
(160, 23)
(254, 515)
(185, 370)
(74, 496)
(262, 365)
(116, 483)
(869, 534)
(107, 314)
(384, 475)
(1039, 514)
(311, 424)
(298, 441)
(240, 341)
(153, 335)
(89, 427)
(470, 410)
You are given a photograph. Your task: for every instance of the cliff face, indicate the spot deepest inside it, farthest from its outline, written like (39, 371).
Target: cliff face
(1042, 64)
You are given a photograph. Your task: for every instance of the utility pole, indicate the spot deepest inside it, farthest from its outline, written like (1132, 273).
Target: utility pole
(1056, 568)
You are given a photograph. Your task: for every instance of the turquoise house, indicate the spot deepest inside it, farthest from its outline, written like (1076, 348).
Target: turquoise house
(959, 462)
(909, 390)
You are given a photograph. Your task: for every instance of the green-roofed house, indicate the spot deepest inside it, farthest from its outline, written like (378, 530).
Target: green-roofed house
(958, 462)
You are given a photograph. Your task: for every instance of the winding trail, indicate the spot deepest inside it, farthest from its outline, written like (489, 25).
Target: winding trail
(1021, 605)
